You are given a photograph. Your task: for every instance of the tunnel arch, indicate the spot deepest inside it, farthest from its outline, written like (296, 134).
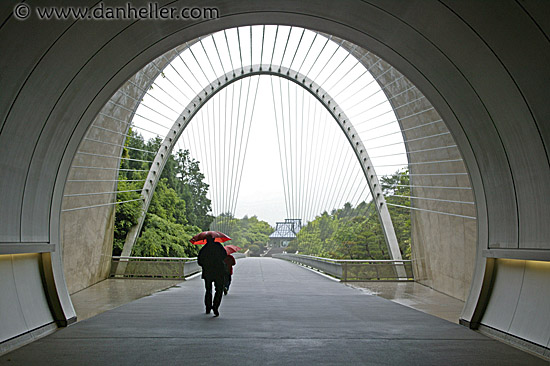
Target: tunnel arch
(423, 269)
(480, 96)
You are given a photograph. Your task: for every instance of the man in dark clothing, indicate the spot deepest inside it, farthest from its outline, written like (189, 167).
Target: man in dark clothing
(211, 258)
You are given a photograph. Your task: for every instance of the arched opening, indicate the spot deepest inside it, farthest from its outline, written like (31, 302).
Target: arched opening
(393, 112)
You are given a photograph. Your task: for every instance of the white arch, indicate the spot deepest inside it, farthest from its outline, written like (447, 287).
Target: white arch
(313, 88)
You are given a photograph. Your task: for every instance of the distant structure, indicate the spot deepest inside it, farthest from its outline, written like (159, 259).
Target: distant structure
(284, 233)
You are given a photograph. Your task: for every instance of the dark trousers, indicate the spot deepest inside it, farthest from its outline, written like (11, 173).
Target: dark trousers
(218, 285)
(227, 281)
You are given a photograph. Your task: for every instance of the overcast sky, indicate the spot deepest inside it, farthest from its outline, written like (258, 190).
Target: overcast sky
(277, 114)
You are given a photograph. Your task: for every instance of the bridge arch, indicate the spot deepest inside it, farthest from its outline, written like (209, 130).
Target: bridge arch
(314, 89)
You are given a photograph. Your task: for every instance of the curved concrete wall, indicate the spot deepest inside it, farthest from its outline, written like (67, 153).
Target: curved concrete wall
(467, 57)
(88, 261)
(87, 234)
(443, 246)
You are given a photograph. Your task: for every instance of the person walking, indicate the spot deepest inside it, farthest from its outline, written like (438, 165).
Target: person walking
(229, 263)
(211, 259)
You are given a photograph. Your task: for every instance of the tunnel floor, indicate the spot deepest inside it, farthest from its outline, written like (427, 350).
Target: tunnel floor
(114, 292)
(276, 313)
(416, 296)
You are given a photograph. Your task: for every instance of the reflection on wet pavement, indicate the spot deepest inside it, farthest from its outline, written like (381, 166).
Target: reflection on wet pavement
(416, 296)
(114, 292)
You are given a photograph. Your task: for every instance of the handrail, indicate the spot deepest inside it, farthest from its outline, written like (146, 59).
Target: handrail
(348, 270)
(236, 255)
(349, 260)
(156, 258)
(156, 267)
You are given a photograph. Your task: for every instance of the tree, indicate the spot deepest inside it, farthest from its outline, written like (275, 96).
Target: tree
(244, 232)
(179, 206)
(397, 190)
(126, 215)
(163, 238)
(193, 189)
(355, 232)
(254, 249)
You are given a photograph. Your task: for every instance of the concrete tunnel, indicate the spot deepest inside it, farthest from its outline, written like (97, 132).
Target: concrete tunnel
(482, 65)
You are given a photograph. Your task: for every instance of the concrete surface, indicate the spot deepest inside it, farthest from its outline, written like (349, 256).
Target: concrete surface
(276, 313)
(416, 296)
(112, 293)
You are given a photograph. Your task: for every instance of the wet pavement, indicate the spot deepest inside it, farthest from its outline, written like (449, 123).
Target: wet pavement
(416, 296)
(114, 292)
(276, 313)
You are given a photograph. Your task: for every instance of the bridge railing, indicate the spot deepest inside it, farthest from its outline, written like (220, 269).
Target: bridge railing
(349, 270)
(156, 267)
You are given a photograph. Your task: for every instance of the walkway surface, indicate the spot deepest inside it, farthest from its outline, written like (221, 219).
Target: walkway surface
(114, 292)
(416, 296)
(276, 313)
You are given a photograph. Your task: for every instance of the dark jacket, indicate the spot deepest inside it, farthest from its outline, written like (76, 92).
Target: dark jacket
(211, 258)
(229, 263)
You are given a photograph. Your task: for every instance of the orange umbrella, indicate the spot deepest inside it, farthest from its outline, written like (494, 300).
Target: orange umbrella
(201, 237)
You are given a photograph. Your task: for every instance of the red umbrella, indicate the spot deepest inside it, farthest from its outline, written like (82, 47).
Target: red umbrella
(201, 237)
(231, 248)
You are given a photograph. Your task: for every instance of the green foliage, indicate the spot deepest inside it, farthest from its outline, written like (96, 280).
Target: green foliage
(179, 206)
(244, 232)
(179, 209)
(356, 233)
(192, 189)
(292, 246)
(254, 249)
(395, 186)
(167, 204)
(163, 238)
(127, 214)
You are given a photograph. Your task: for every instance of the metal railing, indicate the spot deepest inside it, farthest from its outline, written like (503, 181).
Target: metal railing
(156, 267)
(349, 270)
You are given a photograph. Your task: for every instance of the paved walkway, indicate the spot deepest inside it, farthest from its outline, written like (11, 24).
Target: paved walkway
(114, 292)
(416, 296)
(276, 313)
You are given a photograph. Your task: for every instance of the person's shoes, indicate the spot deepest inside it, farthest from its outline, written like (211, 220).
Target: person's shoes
(225, 290)
(208, 310)
(216, 312)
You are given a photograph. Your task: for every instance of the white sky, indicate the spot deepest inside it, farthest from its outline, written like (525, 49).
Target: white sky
(307, 126)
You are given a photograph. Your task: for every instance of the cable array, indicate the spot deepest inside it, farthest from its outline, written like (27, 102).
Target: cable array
(317, 168)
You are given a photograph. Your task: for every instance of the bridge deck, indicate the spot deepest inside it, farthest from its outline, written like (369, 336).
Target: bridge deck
(275, 314)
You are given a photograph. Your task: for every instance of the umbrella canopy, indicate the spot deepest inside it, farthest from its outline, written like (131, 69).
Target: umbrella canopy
(231, 248)
(201, 237)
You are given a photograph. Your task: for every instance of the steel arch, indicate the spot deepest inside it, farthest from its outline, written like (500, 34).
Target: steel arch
(314, 89)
